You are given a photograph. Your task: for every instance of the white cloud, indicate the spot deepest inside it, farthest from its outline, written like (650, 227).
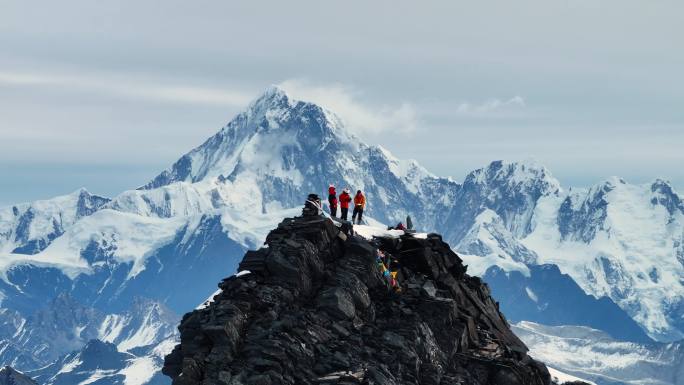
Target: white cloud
(491, 106)
(128, 88)
(358, 117)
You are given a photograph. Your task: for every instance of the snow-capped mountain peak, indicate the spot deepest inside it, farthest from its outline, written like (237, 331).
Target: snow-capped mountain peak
(263, 139)
(281, 149)
(408, 168)
(523, 175)
(510, 189)
(623, 241)
(28, 228)
(272, 95)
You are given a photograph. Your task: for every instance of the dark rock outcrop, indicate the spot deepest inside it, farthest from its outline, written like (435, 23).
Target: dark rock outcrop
(9, 376)
(316, 309)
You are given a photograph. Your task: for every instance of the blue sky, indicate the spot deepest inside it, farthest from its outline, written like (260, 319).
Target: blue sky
(104, 96)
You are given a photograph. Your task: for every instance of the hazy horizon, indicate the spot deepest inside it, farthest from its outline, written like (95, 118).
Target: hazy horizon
(105, 96)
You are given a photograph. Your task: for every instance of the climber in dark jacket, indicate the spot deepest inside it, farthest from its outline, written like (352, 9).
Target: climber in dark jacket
(332, 200)
(345, 199)
(359, 205)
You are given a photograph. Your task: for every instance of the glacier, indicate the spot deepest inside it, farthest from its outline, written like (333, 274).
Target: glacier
(591, 354)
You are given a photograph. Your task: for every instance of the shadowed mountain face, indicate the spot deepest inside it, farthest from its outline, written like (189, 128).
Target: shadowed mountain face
(316, 309)
(551, 298)
(9, 376)
(101, 363)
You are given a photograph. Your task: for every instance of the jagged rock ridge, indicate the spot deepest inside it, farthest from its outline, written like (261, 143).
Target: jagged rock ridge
(316, 310)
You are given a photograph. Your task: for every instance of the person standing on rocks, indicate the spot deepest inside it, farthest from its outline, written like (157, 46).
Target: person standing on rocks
(345, 199)
(332, 200)
(359, 205)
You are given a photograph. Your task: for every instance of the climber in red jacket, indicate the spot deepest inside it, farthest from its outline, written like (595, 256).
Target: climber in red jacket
(332, 200)
(345, 199)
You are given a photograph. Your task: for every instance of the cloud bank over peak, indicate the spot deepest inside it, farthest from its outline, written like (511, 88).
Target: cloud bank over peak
(127, 87)
(360, 117)
(491, 106)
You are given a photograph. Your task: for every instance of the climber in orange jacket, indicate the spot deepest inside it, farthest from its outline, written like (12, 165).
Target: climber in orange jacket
(345, 199)
(359, 205)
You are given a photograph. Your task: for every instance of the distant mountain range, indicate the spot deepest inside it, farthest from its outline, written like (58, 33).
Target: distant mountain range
(77, 268)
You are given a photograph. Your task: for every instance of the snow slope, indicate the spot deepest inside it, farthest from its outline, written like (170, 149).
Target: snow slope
(591, 354)
(561, 378)
(30, 227)
(621, 241)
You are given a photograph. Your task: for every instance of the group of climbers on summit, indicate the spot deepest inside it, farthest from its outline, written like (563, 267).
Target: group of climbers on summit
(344, 200)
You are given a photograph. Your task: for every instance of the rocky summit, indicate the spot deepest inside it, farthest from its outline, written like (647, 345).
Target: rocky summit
(321, 305)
